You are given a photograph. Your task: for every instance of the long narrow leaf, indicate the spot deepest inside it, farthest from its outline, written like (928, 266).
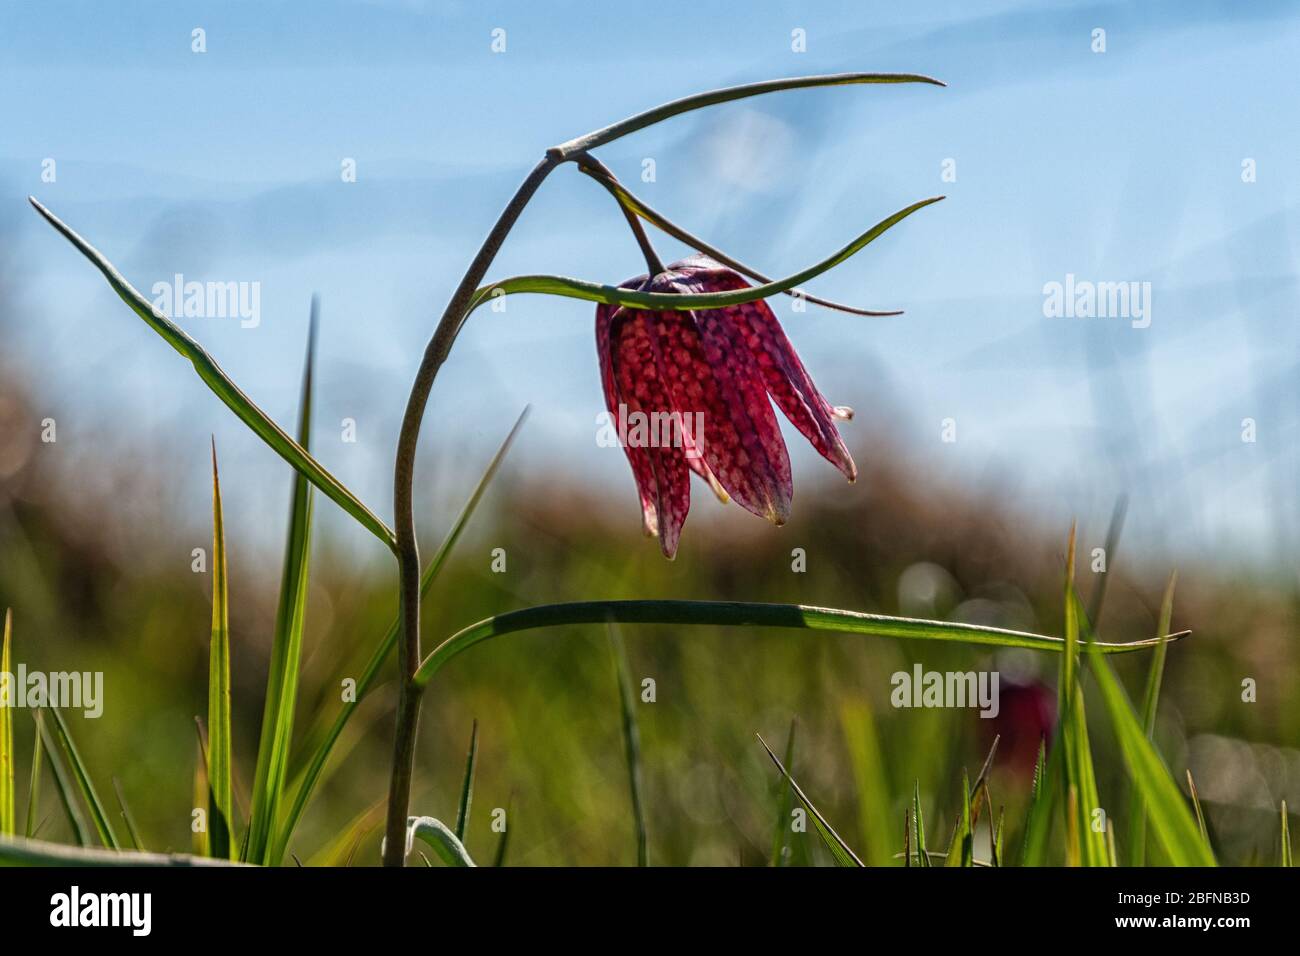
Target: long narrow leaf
(631, 740)
(220, 837)
(98, 815)
(650, 117)
(1286, 838)
(321, 745)
(784, 807)
(844, 856)
(1172, 823)
(221, 385)
(62, 784)
(127, 818)
(16, 851)
(467, 784)
(661, 301)
(34, 783)
(8, 800)
(741, 614)
(286, 646)
(918, 824)
(1137, 828)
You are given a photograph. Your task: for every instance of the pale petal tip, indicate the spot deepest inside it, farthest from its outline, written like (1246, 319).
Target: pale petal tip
(842, 412)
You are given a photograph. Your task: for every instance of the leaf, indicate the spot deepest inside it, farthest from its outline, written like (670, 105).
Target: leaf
(640, 121)
(500, 858)
(286, 646)
(127, 818)
(1171, 822)
(1137, 829)
(1286, 838)
(433, 832)
(1038, 819)
(467, 784)
(62, 784)
(631, 741)
(219, 744)
(1196, 805)
(8, 800)
(98, 816)
(226, 390)
(961, 850)
(740, 614)
(870, 781)
(784, 807)
(324, 745)
(17, 851)
(34, 784)
(662, 301)
(839, 849)
(918, 823)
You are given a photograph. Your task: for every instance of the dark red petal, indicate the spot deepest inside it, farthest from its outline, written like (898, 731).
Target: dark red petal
(642, 469)
(787, 381)
(663, 478)
(717, 385)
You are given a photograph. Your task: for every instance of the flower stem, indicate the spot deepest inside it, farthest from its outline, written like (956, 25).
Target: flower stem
(408, 551)
(602, 173)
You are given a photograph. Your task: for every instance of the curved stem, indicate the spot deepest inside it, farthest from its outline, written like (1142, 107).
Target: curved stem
(601, 173)
(408, 551)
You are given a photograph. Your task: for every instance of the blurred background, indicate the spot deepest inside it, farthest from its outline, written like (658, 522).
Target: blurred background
(1164, 159)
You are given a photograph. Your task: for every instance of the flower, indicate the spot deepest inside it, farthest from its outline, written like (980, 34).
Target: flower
(690, 392)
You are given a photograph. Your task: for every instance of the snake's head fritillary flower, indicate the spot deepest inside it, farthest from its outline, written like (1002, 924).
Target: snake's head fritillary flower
(690, 390)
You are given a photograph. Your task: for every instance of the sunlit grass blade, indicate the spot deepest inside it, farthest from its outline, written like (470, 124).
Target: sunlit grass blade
(98, 815)
(286, 646)
(435, 833)
(199, 843)
(1137, 828)
(631, 741)
(1196, 806)
(220, 837)
(840, 850)
(784, 806)
(127, 818)
(1286, 838)
(1042, 800)
(62, 784)
(8, 760)
(1171, 822)
(870, 779)
(17, 851)
(34, 783)
(961, 848)
(221, 385)
(997, 837)
(467, 784)
(321, 744)
(713, 97)
(918, 827)
(740, 614)
(662, 301)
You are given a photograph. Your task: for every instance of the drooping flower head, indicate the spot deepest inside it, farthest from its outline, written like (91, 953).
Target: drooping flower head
(690, 392)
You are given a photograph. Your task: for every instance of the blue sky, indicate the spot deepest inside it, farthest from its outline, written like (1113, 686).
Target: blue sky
(1117, 166)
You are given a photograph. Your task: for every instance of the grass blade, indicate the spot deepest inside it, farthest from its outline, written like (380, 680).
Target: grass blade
(1173, 825)
(700, 100)
(62, 784)
(16, 851)
(1137, 831)
(663, 301)
(918, 823)
(435, 833)
(321, 744)
(8, 800)
(1038, 819)
(467, 785)
(785, 804)
(1286, 838)
(220, 839)
(500, 858)
(127, 818)
(631, 741)
(1196, 805)
(744, 614)
(286, 647)
(961, 848)
(871, 781)
(98, 816)
(840, 850)
(34, 784)
(221, 385)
